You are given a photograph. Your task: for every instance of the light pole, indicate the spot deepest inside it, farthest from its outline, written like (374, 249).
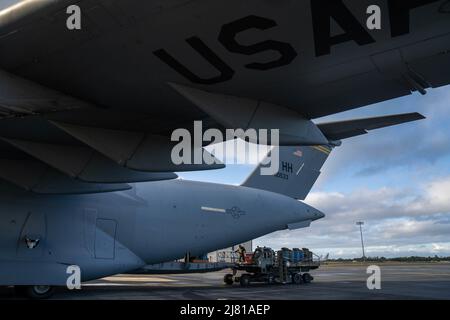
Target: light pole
(360, 224)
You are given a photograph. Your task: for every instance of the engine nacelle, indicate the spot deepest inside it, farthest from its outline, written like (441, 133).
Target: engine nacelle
(241, 113)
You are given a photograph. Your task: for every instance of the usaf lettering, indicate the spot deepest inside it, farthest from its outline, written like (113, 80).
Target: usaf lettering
(322, 11)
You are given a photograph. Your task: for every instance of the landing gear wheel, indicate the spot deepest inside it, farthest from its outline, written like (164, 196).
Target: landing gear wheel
(297, 278)
(245, 280)
(35, 292)
(307, 278)
(228, 279)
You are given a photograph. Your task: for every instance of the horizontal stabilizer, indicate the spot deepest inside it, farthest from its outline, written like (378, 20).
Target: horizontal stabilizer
(37, 177)
(299, 167)
(84, 163)
(135, 150)
(350, 128)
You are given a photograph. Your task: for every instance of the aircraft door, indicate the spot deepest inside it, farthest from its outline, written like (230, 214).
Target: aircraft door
(105, 239)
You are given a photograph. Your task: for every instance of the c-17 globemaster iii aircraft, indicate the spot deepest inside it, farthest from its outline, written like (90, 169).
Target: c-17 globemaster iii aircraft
(87, 114)
(116, 232)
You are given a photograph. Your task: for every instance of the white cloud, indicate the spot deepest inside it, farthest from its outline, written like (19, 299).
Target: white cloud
(239, 152)
(409, 221)
(438, 193)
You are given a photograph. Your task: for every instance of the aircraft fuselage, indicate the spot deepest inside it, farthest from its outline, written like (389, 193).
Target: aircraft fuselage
(106, 234)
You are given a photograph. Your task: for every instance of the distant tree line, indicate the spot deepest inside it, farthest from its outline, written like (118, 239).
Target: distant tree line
(398, 259)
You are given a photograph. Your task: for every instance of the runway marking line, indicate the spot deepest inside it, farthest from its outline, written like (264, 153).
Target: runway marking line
(138, 279)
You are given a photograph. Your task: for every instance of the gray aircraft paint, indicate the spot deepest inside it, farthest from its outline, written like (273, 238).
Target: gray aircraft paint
(110, 233)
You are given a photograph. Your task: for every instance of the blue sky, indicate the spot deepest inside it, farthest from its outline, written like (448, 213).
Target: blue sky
(395, 179)
(7, 3)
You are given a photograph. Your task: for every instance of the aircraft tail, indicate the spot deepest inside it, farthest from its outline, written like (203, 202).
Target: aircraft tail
(299, 167)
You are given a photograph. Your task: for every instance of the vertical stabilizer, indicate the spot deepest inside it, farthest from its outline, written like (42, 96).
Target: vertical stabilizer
(299, 168)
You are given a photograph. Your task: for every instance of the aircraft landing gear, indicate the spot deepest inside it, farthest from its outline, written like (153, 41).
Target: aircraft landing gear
(35, 292)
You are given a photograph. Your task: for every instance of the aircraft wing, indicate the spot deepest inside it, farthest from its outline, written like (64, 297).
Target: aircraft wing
(99, 95)
(287, 53)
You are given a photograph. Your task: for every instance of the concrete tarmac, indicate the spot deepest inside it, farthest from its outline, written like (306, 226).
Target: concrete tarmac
(337, 281)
